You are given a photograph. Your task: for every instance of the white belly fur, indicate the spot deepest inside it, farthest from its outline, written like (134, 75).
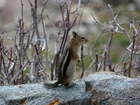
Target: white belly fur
(71, 70)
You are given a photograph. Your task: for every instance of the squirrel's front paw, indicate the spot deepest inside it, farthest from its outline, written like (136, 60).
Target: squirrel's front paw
(79, 60)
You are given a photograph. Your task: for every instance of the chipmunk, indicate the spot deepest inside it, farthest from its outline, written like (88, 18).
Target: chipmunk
(67, 64)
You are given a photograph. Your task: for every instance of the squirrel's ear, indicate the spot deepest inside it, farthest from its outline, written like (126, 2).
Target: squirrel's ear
(74, 34)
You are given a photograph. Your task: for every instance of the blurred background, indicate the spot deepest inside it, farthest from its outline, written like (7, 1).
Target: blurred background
(129, 10)
(10, 11)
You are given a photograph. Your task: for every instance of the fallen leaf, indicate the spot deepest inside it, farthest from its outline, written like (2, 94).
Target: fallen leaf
(55, 102)
(23, 102)
(20, 86)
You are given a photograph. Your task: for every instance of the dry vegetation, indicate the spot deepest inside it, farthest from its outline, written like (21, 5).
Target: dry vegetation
(29, 57)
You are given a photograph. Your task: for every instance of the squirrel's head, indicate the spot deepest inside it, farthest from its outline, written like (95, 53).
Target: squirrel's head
(79, 40)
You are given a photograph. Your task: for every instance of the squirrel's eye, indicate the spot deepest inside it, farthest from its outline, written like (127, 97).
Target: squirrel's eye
(82, 37)
(74, 35)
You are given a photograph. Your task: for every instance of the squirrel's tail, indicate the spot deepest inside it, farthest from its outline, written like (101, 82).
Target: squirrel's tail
(50, 84)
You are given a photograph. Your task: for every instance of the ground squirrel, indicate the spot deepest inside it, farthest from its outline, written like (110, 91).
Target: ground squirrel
(67, 63)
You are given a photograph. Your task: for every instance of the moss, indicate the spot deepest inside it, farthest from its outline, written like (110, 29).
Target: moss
(122, 41)
(114, 57)
(27, 70)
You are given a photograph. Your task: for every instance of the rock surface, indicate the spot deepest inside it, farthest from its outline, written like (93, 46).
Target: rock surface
(102, 88)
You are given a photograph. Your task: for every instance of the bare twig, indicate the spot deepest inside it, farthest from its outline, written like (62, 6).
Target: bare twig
(96, 63)
(117, 24)
(41, 14)
(124, 69)
(46, 47)
(82, 60)
(104, 56)
(18, 73)
(132, 55)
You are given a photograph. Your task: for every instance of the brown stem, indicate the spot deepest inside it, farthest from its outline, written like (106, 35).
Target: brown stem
(82, 60)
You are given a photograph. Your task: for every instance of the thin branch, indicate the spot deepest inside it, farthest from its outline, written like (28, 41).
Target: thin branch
(82, 60)
(18, 73)
(96, 63)
(116, 23)
(41, 14)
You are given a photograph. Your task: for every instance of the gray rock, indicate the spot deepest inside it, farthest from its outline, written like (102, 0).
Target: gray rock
(2, 102)
(102, 88)
(111, 89)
